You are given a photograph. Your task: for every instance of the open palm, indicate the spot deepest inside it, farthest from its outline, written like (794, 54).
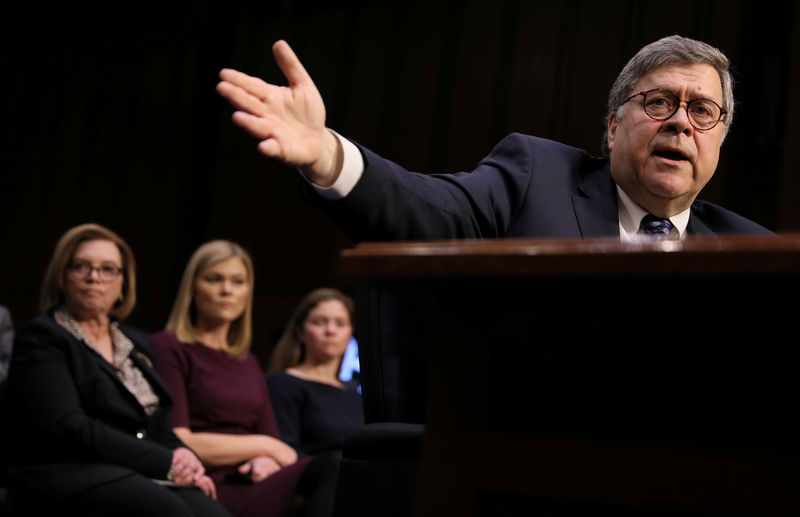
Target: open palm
(288, 121)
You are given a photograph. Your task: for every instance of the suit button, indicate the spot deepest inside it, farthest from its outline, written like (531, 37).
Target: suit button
(140, 435)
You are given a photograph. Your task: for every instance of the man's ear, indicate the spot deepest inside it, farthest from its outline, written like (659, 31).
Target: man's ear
(613, 122)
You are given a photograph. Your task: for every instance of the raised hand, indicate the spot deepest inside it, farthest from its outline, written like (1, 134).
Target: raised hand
(288, 121)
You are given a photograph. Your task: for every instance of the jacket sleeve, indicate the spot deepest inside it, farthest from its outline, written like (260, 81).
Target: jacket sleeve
(391, 203)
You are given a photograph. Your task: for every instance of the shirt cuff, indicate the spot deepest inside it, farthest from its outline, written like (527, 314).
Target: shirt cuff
(352, 169)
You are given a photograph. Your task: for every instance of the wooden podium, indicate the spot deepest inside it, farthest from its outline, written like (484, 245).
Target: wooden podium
(590, 377)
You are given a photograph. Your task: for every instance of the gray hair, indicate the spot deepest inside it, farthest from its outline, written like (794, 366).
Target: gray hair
(671, 50)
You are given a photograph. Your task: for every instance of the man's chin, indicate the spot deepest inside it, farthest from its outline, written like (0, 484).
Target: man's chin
(668, 185)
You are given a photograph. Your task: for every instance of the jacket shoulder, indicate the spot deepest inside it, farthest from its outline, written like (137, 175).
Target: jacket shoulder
(721, 220)
(541, 144)
(40, 325)
(549, 154)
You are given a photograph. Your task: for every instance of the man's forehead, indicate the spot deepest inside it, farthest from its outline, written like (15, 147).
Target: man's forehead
(700, 79)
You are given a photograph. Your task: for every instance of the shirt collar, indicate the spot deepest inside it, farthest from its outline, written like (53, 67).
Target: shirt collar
(122, 345)
(630, 217)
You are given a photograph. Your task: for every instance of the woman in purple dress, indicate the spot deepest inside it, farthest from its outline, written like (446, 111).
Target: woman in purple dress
(222, 408)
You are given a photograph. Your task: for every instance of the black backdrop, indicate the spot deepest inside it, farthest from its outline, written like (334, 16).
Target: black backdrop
(110, 115)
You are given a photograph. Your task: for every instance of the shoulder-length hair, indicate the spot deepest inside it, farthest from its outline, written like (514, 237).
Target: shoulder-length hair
(290, 350)
(52, 294)
(183, 317)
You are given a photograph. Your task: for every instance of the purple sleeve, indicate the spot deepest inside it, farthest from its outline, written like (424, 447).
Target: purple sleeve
(266, 422)
(172, 365)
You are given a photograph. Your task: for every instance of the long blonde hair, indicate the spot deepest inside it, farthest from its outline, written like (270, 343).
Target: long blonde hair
(183, 317)
(52, 294)
(290, 350)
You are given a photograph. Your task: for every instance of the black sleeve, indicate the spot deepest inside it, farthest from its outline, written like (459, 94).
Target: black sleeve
(287, 402)
(392, 203)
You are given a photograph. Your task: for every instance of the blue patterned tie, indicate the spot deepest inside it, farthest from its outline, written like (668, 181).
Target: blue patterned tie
(655, 227)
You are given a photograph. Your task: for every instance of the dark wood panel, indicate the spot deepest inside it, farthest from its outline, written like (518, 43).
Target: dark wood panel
(591, 377)
(712, 256)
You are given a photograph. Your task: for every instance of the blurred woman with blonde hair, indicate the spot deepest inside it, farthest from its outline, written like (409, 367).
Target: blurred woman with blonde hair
(222, 407)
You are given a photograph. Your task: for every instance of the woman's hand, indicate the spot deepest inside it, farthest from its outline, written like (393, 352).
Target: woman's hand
(186, 468)
(259, 468)
(206, 484)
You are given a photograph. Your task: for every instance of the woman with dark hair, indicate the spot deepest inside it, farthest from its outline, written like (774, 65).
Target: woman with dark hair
(314, 408)
(87, 410)
(222, 408)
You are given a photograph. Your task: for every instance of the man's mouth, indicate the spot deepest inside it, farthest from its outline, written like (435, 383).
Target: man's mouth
(670, 154)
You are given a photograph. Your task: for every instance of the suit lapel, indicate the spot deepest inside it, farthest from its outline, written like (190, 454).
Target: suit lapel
(595, 205)
(77, 343)
(141, 355)
(596, 210)
(696, 225)
(143, 362)
(112, 372)
(145, 366)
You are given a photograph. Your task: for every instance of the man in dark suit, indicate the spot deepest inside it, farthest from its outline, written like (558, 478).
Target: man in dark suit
(669, 111)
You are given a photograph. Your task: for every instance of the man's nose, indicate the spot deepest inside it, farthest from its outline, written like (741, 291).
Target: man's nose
(679, 121)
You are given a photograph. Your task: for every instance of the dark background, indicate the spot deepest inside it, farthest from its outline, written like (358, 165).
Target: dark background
(110, 115)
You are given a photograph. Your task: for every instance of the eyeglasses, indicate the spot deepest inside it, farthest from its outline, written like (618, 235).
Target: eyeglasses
(660, 104)
(106, 272)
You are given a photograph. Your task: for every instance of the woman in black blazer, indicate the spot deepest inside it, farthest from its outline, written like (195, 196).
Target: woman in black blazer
(88, 432)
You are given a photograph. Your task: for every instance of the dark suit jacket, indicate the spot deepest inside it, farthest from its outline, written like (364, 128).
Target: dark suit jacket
(72, 422)
(526, 187)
